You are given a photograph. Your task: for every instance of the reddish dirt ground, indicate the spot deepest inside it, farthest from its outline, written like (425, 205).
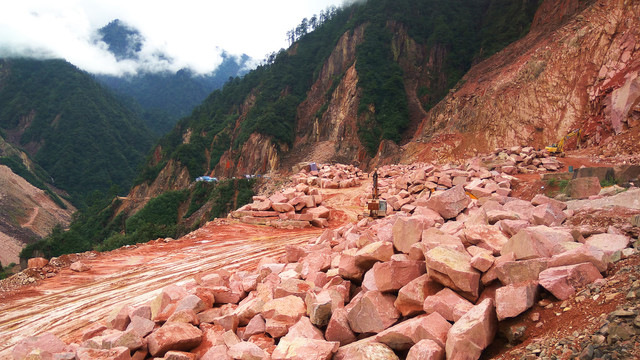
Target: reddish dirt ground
(69, 301)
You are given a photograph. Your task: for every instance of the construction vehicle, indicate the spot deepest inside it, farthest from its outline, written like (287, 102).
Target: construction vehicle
(377, 208)
(558, 149)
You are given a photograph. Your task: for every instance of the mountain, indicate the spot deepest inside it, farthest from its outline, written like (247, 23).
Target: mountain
(368, 73)
(397, 81)
(165, 96)
(71, 126)
(355, 78)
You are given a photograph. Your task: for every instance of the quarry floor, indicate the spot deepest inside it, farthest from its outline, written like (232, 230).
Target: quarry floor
(70, 301)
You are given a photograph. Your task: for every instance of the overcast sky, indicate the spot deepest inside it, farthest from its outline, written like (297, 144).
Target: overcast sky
(191, 32)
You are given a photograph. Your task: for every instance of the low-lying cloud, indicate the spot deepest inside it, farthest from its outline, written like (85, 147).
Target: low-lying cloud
(188, 34)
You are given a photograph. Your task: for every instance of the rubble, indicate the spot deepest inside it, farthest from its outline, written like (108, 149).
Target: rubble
(521, 160)
(454, 257)
(300, 206)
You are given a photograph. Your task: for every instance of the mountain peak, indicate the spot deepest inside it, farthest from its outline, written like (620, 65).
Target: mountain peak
(124, 41)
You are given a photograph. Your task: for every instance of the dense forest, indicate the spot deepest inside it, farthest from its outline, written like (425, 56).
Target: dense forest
(469, 30)
(75, 129)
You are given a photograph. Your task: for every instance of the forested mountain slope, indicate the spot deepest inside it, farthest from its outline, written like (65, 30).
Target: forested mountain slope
(71, 126)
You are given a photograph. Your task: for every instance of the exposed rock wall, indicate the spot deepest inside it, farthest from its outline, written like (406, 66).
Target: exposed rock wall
(579, 74)
(173, 176)
(335, 90)
(259, 155)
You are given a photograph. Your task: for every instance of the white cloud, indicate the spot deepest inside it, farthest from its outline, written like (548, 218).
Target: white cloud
(192, 33)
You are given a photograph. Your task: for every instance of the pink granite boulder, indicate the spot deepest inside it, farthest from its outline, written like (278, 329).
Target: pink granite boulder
(472, 333)
(372, 312)
(433, 237)
(300, 348)
(488, 237)
(548, 215)
(407, 333)
(246, 350)
(365, 350)
(562, 281)
(582, 188)
(174, 336)
(338, 328)
(411, 297)
(453, 269)
(45, 343)
(79, 266)
(408, 231)
(374, 252)
(537, 242)
(514, 299)
(581, 254)
(37, 263)
(449, 203)
(448, 304)
(426, 350)
(608, 243)
(392, 275)
(282, 313)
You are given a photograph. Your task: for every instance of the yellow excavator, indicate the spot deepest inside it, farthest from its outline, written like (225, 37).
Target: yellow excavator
(558, 149)
(377, 208)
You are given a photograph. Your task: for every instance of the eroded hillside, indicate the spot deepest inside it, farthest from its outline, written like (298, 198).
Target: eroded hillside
(577, 68)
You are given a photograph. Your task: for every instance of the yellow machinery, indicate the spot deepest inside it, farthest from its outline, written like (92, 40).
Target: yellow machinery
(558, 149)
(377, 208)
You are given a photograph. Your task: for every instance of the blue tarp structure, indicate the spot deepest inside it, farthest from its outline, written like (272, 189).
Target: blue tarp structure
(313, 166)
(206, 179)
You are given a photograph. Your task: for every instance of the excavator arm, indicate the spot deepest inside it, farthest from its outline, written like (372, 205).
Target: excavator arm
(559, 147)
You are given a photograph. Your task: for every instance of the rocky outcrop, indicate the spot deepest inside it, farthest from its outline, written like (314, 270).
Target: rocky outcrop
(173, 176)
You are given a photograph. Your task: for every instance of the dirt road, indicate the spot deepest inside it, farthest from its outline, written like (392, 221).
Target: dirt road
(70, 301)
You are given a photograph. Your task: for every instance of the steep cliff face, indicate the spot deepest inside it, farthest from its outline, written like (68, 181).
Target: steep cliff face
(330, 112)
(328, 120)
(258, 155)
(423, 69)
(577, 68)
(173, 176)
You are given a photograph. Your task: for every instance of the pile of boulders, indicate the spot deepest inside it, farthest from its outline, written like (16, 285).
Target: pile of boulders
(39, 268)
(518, 159)
(406, 187)
(429, 283)
(337, 176)
(294, 207)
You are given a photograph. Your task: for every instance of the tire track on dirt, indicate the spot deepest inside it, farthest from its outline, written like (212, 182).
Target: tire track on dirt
(69, 308)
